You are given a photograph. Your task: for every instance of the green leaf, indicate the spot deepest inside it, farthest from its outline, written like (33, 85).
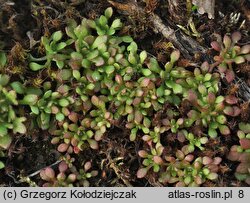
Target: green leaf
(132, 58)
(18, 87)
(108, 12)
(1, 165)
(111, 31)
(96, 76)
(76, 74)
(4, 79)
(127, 39)
(99, 61)
(160, 91)
(60, 117)
(93, 54)
(35, 66)
(245, 127)
(174, 56)
(18, 126)
(5, 141)
(219, 99)
(63, 102)
(56, 36)
(133, 134)
(103, 20)
(168, 66)
(212, 132)
(86, 63)
(30, 99)
(34, 110)
(116, 24)
(3, 59)
(146, 72)
(221, 119)
(132, 47)
(11, 96)
(154, 66)
(61, 46)
(143, 56)
(3, 131)
(99, 40)
(43, 121)
(65, 74)
(177, 88)
(156, 168)
(60, 64)
(109, 69)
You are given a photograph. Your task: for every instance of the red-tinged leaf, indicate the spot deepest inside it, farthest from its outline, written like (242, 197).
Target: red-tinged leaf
(245, 49)
(231, 99)
(62, 147)
(73, 117)
(217, 160)
(93, 144)
(145, 82)
(224, 130)
(55, 140)
(244, 157)
(43, 175)
(72, 177)
(237, 111)
(61, 177)
(143, 153)
(207, 160)
(243, 168)
(233, 155)
(198, 180)
(180, 155)
(227, 41)
(138, 117)
(216, 46)
(192, 97)
(76, 150)
(229, 76)
(245, 143)
(239, 59)
(247, 57)
(247, 181)
(218, 58)
(141, 173)
(50, 173)
(229, 110)
(236, 36)
(211, 98)
(213, 168)
(146, 138)
(87, 166)
(175, 55)
(158, 160)
(205, 67)
(63, 166)
(222, 67)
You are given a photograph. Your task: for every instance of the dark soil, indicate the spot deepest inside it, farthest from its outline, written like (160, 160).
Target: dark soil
(116, 159)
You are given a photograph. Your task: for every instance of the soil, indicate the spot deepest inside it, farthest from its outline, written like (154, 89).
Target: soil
(116, 159)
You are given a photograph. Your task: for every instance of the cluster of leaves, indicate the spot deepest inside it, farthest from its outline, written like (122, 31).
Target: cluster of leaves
(95, 79)
(67, 175)
(241, 153)
(11, 114)
(230, 53)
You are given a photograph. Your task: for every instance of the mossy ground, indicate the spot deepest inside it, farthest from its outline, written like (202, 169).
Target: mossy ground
(116, 159)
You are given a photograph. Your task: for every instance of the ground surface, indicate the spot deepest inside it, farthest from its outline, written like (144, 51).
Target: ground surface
(116, 159)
